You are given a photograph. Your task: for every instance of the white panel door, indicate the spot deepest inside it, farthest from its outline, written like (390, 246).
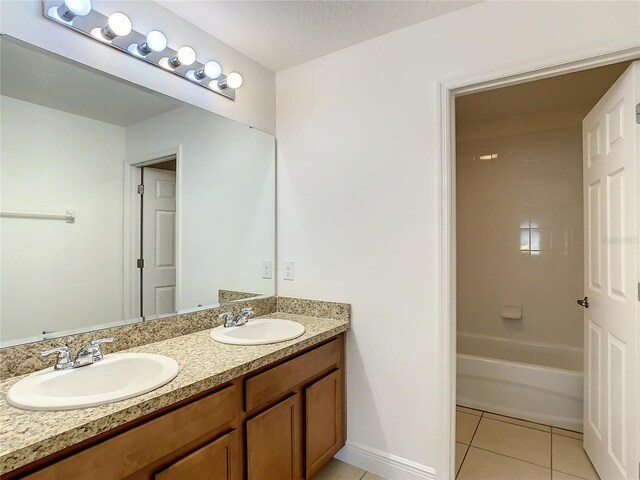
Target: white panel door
(159, 242)
(611, 148)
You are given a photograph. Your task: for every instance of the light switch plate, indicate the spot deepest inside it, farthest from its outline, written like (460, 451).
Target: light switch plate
(288, 271)
(266, 269)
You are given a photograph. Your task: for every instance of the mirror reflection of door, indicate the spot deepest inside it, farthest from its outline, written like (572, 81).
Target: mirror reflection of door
(158, 239)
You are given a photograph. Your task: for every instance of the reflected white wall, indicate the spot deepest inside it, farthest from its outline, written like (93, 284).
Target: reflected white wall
(226, 203)
(58, 276)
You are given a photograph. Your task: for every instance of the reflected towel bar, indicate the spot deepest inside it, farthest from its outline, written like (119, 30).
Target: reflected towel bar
(69, 217)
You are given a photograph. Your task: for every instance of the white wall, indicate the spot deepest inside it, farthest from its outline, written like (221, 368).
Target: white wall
(358, 186)
(58, 276)
(226, 200)
(255, 102)
(520, 236)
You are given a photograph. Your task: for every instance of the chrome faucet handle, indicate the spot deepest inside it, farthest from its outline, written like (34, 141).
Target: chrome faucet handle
(64, 357)
(97, 353)
(228, 319)
(243, 318)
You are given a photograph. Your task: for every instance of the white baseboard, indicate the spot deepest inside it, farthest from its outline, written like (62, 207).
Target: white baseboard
(384, 464)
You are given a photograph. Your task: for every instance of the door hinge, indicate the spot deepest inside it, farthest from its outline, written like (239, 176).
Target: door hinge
(639, 300)
(638, 113)
(141, 189)
(140, 263)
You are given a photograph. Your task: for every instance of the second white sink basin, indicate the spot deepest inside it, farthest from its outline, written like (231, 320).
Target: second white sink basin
(260, 331)
(117, 377)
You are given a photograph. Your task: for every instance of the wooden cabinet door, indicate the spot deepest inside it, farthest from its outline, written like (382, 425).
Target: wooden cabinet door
(324, 421)
(214, 461)
(274, 442)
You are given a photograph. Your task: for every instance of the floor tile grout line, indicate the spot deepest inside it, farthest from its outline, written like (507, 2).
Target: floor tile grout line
(521, 419)
(363, 475)
(476, 429)
(512, 458)
(518, 425)
(551, 453)
(551, 427)
(550, 432)
(471, 439)
(570, 474)
(474, 434)
(567, 436)
(463, 459)
(466, 452)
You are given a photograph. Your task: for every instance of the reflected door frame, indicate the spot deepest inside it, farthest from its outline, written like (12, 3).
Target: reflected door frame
(131, 238)
(448, 89)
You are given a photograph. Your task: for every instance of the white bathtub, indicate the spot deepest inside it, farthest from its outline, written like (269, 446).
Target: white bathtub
(540, 383)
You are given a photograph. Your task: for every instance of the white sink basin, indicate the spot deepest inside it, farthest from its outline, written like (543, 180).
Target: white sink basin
(117, 377)
(258, 332)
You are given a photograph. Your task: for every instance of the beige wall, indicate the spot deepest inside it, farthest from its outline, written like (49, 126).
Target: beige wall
(520, 242)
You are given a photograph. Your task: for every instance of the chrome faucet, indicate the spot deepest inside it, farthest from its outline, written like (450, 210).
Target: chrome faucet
(241, 319)
(86, 355)
(64, 357)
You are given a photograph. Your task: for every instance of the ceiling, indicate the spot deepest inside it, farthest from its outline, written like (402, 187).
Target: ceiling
(34, 76)
(282, 34)
(576, 92)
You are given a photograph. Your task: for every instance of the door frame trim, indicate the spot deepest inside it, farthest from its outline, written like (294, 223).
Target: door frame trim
(448, 89)
(131, 224)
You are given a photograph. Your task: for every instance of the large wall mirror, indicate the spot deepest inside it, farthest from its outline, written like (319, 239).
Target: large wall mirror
(120, 204)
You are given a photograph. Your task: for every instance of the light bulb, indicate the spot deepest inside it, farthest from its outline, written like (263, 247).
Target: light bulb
(234, 80)
(155, 42)
(210, 70)
(186, 56)
(118, 25)
(71, 9)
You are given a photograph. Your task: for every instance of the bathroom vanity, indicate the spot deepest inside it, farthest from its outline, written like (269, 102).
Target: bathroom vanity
(233, 412)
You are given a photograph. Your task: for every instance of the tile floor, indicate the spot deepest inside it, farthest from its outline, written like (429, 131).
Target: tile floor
(493, 447)
(337, 470)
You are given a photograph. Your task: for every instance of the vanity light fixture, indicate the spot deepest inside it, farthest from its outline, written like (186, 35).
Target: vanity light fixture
(70, 9)
(116, 30)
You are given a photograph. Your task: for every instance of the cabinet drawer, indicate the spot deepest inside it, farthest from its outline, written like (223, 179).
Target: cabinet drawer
(135, 449)
(267, 386)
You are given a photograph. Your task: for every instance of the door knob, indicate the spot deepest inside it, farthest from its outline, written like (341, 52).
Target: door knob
(584, 302)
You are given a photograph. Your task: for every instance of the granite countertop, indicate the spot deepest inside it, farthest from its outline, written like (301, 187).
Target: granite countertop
(26, 436)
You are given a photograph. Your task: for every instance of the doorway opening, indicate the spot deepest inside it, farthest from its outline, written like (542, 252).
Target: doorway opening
(534, 235)
(157, 237)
